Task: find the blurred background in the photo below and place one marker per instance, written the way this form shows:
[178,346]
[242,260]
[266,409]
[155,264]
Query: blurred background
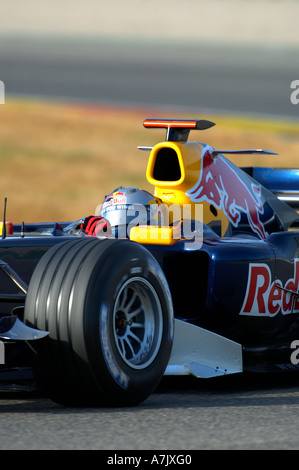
[81,76]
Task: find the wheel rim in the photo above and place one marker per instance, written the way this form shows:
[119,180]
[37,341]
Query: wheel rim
[137,323]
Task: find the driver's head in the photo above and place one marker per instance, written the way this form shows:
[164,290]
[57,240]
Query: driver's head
[127,207]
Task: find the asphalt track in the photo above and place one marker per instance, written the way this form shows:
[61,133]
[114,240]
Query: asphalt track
[183,76]
[236,413]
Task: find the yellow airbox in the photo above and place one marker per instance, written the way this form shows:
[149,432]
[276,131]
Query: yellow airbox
[173,169]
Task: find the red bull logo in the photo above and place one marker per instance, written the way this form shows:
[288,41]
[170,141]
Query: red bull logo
[220,185]
[116,197]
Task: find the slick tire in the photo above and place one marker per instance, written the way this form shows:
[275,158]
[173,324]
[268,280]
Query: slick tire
[108,310]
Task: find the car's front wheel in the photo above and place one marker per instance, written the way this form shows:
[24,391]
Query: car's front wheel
[108,309]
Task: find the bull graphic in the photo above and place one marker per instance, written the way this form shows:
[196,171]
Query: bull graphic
[220,185]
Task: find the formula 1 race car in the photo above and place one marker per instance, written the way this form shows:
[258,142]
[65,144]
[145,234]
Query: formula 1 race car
[210,288]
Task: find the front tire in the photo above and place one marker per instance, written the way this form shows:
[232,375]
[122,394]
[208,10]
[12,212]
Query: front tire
[108,309]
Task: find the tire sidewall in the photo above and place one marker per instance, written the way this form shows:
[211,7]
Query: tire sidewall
[101,347]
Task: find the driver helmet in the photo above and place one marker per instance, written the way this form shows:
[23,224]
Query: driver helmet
[127,207]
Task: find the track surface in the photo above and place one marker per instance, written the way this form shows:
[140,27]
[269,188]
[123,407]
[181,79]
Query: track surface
[182,76]
[234,413]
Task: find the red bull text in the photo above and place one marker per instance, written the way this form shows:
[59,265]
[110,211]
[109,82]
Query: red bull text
[265,297]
